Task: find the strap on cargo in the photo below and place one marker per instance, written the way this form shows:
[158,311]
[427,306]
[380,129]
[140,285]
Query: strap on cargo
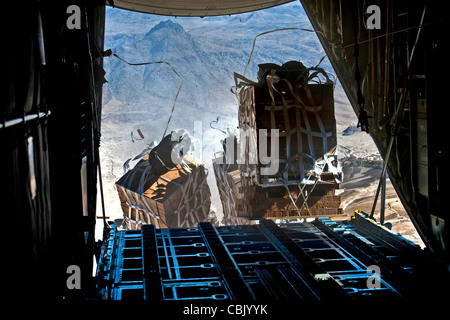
[191,189]
[301,110]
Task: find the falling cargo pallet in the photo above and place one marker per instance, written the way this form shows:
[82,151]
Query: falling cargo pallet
[308,174]
[178,198]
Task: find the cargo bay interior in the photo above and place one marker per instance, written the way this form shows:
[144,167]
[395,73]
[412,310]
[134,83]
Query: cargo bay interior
[50,134]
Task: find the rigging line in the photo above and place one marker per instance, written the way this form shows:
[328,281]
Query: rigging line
[216,121]
[135,138]
[320,61]
[391,33]
[397,111]
[158,62]
[267,32]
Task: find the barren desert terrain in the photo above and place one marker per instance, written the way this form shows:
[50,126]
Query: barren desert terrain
[360,184]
